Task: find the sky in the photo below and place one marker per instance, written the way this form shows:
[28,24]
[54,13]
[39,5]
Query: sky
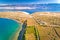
[28,1]
[30,7]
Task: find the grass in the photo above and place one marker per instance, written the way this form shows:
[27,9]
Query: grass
[30,29]
[44,31]
[31,33]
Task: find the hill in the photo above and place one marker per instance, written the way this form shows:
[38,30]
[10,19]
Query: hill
[49,25]
[18,16]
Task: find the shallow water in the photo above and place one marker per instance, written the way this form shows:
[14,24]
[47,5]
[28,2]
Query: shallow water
[7,28]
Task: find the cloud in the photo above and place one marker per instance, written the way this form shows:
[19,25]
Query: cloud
[12,7]
[4,4]
[58,1]
[25,8]
[6,8]
[18,8]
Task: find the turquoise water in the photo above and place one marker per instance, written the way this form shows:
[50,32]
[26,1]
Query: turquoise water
[7,28]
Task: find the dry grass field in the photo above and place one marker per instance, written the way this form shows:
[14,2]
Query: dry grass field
[49,25]
[40,25]
[18,16]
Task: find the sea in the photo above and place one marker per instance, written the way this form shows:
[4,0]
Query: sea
[8,28]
